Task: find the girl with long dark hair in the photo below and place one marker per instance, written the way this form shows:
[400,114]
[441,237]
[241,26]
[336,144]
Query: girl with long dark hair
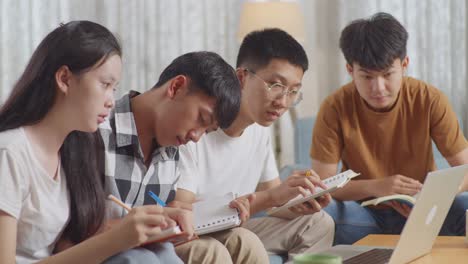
[51,179]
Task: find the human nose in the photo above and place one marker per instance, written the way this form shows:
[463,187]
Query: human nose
[110,101]
[196,134]
[378,85]
[282,98]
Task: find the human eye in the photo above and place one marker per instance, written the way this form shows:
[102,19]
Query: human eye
[293,92]
[201,121]
[277,86]
[105,84]
[388,74]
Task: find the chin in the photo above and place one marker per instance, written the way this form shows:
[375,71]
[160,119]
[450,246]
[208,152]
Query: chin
[382,106]
[265,123]
[91,129]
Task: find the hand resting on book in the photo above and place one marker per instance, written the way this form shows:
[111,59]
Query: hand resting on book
[400,202]
[242,204]
[396,184]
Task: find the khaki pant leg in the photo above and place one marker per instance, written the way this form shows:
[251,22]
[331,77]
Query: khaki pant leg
[308,233]
[243,246]
[205,250]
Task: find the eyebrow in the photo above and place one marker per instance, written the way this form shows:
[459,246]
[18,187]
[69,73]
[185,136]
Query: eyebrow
[369,71]
[206,110]
[112,79]
[364,70]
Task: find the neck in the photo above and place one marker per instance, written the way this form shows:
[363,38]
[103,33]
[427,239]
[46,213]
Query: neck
[142,108]
[242,121]
[50,133]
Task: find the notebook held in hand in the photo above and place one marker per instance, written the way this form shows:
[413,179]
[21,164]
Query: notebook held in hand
[214,214]
[332,184]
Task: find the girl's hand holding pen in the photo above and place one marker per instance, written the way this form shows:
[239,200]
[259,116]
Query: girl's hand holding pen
[140,223]
[184,218]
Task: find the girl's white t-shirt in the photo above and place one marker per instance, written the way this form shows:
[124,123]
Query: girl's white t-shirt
[38,202]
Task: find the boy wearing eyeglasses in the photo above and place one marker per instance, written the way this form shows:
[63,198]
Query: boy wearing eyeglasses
[240,159]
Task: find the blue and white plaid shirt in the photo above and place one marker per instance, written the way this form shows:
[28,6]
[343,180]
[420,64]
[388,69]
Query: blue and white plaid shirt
[127,176]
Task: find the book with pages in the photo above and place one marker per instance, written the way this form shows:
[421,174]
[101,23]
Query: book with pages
[332,184]
[214,214]
[401,198]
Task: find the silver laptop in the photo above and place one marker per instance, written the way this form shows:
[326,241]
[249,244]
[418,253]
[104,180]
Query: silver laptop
[421,228]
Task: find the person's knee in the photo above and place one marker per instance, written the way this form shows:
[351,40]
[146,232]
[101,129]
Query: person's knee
[204,250]
[319,223]
[165,252]
[135,255]
[215,248]
[245,246]
[327,223]
[244,237]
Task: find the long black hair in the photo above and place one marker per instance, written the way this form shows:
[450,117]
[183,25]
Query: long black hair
[79,45]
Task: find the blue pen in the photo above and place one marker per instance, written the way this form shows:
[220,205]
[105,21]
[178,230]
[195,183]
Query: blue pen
[157,199]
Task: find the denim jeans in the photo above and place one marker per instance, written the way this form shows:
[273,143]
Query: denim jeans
[353,222]
[159,253]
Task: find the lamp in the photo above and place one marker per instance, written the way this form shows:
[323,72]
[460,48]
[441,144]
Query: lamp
[284,15]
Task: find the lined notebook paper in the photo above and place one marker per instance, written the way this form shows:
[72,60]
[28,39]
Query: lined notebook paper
[214,214]
[332,184]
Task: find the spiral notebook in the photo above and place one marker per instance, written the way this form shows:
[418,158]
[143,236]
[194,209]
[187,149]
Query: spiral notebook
[214,214]
[332,184]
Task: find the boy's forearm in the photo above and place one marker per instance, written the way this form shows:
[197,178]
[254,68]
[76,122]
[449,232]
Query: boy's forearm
[263,200]
[354,190]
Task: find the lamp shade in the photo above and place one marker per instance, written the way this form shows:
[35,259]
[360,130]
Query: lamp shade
[284,15]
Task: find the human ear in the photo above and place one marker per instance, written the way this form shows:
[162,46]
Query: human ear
[241,75]
[176,85]
[405,63]
[349,69]
[62,78]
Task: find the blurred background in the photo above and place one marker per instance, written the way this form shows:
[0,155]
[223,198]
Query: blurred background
[154,32]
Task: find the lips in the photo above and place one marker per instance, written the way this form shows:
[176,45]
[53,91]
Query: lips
[379,97]
[180,141]
[273,115]
[102,118]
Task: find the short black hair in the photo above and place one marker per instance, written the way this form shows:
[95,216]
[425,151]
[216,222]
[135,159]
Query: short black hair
[374,43]
[259,47]
[212,75]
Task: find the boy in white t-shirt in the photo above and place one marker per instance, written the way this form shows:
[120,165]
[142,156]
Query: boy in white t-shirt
[239,159]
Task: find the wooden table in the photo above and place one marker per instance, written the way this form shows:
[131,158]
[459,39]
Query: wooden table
[447,249]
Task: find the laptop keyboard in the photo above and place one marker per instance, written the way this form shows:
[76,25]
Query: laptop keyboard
[374,256]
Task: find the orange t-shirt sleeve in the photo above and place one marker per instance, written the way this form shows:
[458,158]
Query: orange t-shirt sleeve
[327,139]
[445,130]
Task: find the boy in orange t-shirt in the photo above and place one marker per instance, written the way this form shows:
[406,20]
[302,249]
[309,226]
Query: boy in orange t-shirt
[382,125]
